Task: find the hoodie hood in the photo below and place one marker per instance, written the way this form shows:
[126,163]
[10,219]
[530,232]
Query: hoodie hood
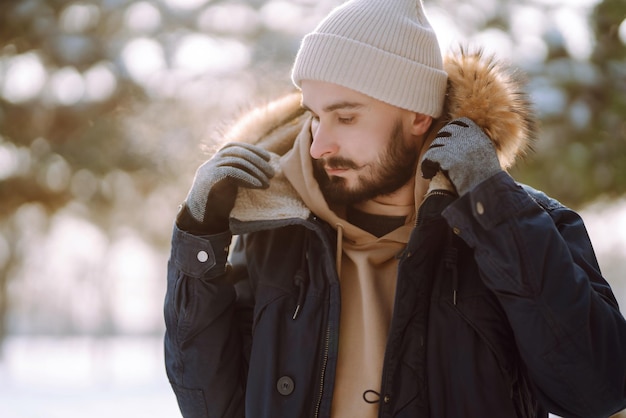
[479,87]
[297,167]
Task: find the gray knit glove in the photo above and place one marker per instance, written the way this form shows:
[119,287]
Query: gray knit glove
[463,153]
[214,189]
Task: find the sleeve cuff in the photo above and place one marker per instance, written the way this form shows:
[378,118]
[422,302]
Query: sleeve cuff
[200,256]
[490,203]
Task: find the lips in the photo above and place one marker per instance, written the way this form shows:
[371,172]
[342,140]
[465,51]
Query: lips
[335,170]
[335,166]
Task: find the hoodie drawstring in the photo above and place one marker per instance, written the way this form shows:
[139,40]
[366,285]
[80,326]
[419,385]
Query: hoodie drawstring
[300,279]
[366,396]
[450,256]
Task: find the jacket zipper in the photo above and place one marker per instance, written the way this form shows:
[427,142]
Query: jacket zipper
[326,346]
[324,363]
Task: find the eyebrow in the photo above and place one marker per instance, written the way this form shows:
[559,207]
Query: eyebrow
[337,106]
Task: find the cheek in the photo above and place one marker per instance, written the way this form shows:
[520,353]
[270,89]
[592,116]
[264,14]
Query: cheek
[374,144]
[359,144]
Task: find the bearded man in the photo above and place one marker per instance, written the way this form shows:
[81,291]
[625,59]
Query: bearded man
[385,263]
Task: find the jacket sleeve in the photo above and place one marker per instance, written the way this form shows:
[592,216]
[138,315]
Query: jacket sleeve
[203,343]
[539,262]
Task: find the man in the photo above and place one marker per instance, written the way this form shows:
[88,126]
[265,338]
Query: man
[385,263]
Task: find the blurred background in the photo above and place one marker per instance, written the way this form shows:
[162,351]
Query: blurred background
[107,107]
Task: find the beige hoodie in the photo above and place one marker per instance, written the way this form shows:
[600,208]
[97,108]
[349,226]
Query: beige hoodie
[367,275]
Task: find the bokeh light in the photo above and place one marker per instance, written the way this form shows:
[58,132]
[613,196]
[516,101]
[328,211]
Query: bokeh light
[24,78]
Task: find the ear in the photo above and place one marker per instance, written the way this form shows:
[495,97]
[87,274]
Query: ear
[419,123]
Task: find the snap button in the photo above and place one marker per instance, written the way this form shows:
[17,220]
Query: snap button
[285,385]
[203,256]
[456,231]
[480,209]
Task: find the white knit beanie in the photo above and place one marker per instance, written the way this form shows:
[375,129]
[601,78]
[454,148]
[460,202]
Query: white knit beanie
[385,49]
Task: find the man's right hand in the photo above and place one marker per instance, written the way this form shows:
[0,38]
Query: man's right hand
[214,189]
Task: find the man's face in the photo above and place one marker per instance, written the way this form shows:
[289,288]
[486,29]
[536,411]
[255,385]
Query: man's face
[361,147]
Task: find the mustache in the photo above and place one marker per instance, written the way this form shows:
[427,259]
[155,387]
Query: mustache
[337,163]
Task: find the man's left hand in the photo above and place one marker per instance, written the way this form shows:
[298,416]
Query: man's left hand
[463,153]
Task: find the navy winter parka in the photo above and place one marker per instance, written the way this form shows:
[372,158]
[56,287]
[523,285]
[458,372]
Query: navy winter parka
[500,310]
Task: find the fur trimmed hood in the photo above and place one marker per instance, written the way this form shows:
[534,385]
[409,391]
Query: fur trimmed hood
[492,95]
[479,87]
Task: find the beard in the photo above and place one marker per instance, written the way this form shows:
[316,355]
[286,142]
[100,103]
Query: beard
[393,169]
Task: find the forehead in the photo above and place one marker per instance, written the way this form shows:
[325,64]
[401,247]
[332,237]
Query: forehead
[323,96]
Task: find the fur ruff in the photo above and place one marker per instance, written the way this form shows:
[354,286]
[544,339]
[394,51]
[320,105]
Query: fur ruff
[485,91]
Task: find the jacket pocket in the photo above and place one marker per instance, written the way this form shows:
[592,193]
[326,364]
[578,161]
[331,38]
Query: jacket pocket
[184,305]
[266,296]
[193,304]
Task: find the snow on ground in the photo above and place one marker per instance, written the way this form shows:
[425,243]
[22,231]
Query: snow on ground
[44,377]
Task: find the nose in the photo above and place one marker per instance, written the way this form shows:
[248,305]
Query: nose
[324,144]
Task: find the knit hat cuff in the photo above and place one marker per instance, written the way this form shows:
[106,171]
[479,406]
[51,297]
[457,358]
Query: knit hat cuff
[379,74]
